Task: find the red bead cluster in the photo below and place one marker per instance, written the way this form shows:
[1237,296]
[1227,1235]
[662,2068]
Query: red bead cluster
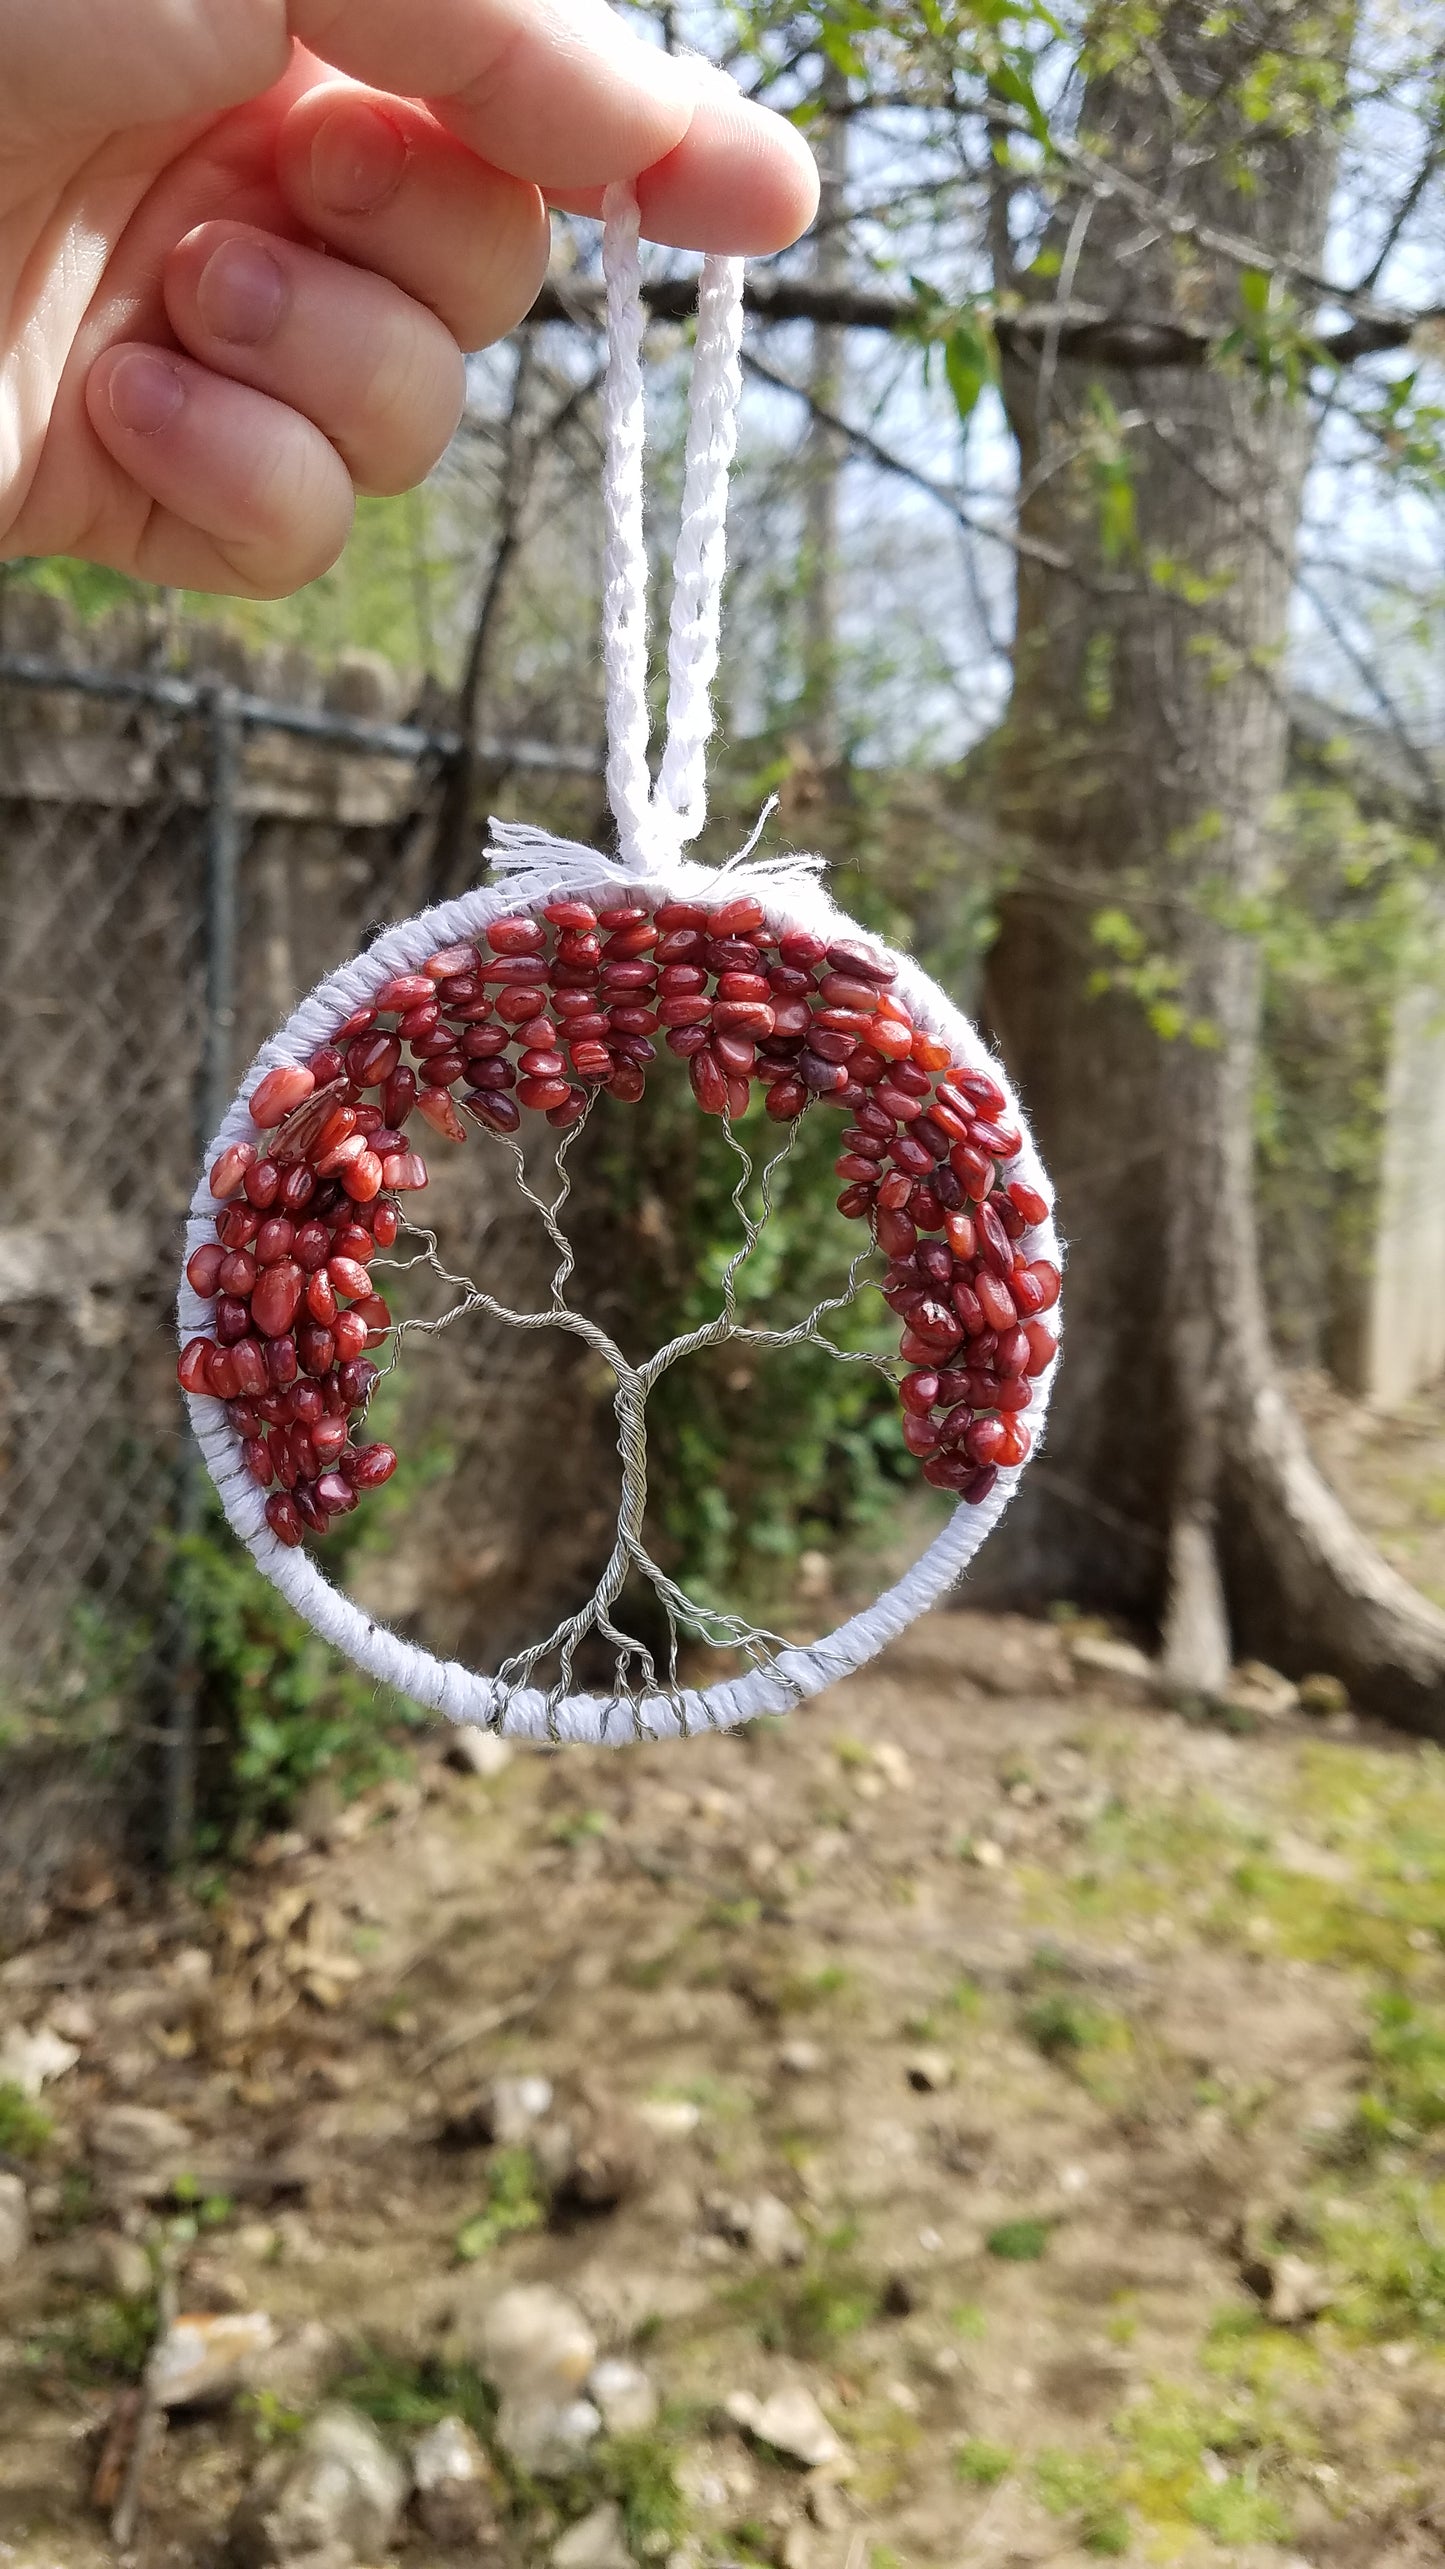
[539,1012]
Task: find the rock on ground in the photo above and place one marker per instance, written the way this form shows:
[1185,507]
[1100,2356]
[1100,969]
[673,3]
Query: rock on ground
[623,2394]
[204,2355]
[597,2541]
[791,2423]
[339,2491]
[454,2498]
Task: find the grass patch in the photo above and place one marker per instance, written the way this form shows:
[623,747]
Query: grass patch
[1019,2242]
[514,2204]
[981,2465]
[817,2307]
[25,2127]
[1084,2488]
[102,2340]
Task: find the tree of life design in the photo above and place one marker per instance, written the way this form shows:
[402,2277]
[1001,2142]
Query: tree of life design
[635,1671]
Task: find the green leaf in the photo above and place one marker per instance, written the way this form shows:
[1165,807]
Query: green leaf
[970,361]
[1254,292]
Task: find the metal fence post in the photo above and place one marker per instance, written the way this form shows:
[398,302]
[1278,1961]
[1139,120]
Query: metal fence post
[221,904]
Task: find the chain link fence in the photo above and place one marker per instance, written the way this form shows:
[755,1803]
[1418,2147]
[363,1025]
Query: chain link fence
[180,858]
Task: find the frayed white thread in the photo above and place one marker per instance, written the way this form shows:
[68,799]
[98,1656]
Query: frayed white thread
[535,867]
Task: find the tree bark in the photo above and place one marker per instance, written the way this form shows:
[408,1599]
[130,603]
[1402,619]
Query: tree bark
[1140,769]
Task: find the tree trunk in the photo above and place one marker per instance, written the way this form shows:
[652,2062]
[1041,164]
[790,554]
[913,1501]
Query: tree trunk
[1140,768]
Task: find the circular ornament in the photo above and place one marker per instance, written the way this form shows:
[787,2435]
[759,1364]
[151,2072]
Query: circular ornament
[523,1001]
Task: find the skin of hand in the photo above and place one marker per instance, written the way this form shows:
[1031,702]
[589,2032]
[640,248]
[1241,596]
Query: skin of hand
[243,244]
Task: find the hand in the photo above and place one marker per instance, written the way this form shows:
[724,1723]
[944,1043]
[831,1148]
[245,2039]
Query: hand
[244,242]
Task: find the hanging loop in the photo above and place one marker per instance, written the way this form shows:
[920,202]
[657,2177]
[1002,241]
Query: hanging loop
[653,826]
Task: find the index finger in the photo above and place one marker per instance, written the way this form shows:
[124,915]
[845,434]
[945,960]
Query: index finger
[556,91]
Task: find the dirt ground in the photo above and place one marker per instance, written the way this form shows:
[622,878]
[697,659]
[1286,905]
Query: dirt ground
[1091,2061]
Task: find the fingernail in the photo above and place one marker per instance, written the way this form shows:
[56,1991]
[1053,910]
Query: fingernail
[146,391]
[357,159]
[241,293]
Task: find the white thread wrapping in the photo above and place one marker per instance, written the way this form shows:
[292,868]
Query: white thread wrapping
[535,866]
[445,1686]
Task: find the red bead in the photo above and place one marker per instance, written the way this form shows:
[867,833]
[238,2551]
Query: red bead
[248,1364]
[541,1093]
[1043,1347]
[1028,1201]
[436,1109]
[860,961]
[297,1188]
[895,1192]
[626,1084]
[516,936]
[238,1274]
[995,1300]
[191,1371]
[385,1223]
[221,1380]
[371,1059]
[687,1010]
[232,1319]
[785,1099]
[638,938]
[896,1234]
[363,1179]
[279,1093]
[275,1239]
[709,1083]
[920,1435]
[325,1065]
[277,1297]
[449,960]
[281,1362]
[840,990]
[228,1172]
[256,1456]
[681,914]
[734,918]
[591,1060]
[367,1466]
[516,971]
[316,1347]
[891,1039]
[376,1314]
[320,1298]
[282,1518]
[919,1393]
[443,1070]
[561,1117]
[351,1335]
[349,1277]
[854,1202]
[335,1494]
[1048,1277]
[499,1113]
[994,1244]
[203,1268]
[1001,1141]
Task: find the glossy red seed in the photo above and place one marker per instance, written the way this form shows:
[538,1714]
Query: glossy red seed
[591,1060]
[275,1239]
[959,1233]
[221,1380]
[822,1077]
[896,1102]
[320,1297]
[860,1172]
[315,1347]
[995,1300]
[335,1494]
[925,1208]
[709,1083]
[497,1112]
[855,1201]
[934,1321]
[572,915]
[404,990]
[735,918]
[191,1371]
[351,1334]
[919,1393]
[895,1192]
[443,1071]
[418,1025]
[626,1084]
[232,1319]
[1028,1201]
[282,1518]
[785,1099]
[686,1011]
[238,1226]
[277,1297]
[541,1093]
[349,1278]
[562,1117]
[934,1261]
[801,950]
[1043,1347]
[255,1455]
[516,972]
[367,1466]
[516,1008]
[363,1179]
[312,1247]
[911,1156]
[984,1440]
[282,1362]
[298,1186]
[840,990]
[435,1108]
[203,1268]
[238,1274]
[920,1435]
[1048,1277]
[308,1405]
[371,1059]
[228,1172]
[994,1244]
[1013,1352]
[279,1093]
[627,943]
[896,1232]
[827,1043]
[449,960]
